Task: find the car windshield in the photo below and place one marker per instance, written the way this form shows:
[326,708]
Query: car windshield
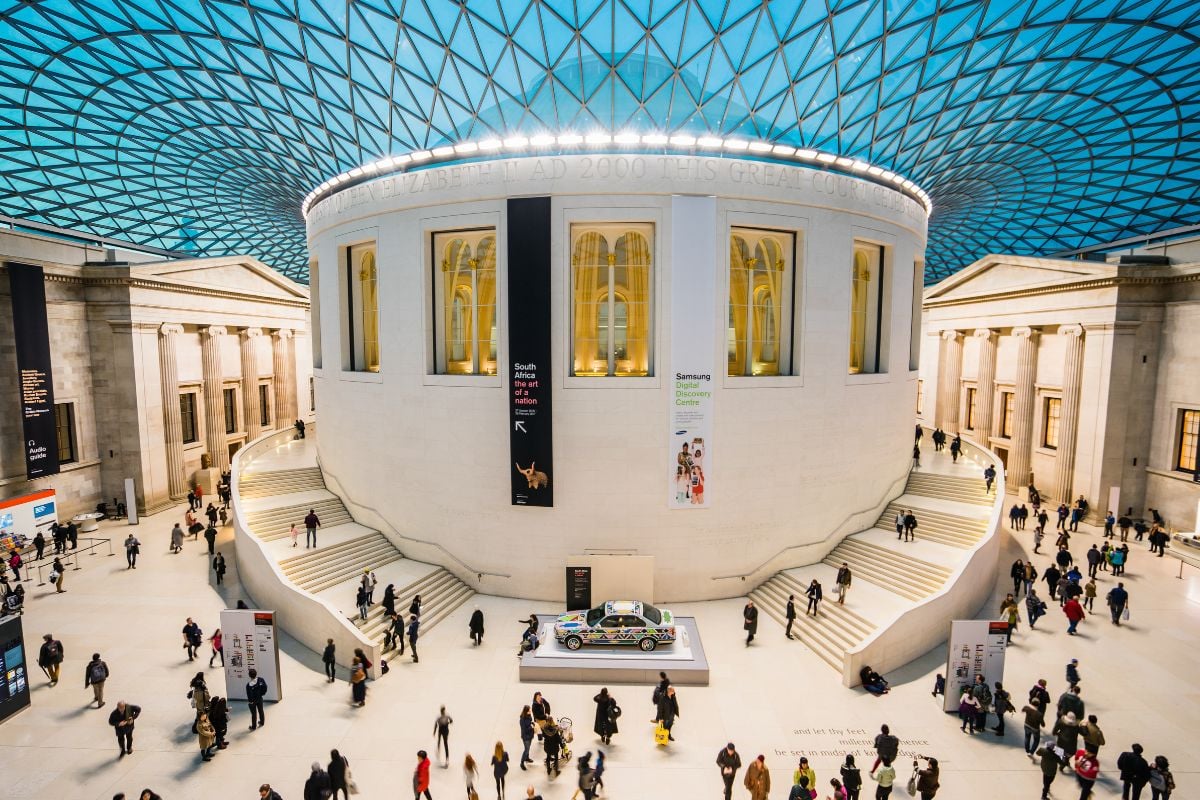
[595,615]
[652,614]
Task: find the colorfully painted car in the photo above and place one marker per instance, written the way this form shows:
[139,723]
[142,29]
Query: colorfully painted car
[617,622]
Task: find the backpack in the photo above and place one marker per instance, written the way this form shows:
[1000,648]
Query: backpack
[54,650]
[851,778]
[96,672]
[985,695]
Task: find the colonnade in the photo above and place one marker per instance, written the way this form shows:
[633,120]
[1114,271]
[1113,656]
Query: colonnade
[1022,433]
[283,390]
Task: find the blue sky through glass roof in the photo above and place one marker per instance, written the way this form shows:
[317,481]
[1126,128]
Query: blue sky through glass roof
[1036,127]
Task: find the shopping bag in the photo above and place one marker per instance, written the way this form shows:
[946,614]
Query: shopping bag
[1125,615]
[661,734]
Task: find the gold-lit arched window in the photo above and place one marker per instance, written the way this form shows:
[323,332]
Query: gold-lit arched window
[611,309]
[759,337]
[368,279]
[866,309]
[361,287]
[465,296]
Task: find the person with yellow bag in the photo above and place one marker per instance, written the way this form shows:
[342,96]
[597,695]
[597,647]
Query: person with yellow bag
[668,710]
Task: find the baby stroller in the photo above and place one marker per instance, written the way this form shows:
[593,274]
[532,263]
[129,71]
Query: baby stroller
[564,726]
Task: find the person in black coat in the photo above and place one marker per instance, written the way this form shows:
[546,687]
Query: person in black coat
[750,621]
[328,659]
[791,615]
[389,600]
[122,720]
[317,785]
[476,626]
[338,764]
[607,712]
[668,710]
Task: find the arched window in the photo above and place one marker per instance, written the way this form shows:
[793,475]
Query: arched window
[610,268]
[465,294]
[360,291]
[761,282]
[867,309]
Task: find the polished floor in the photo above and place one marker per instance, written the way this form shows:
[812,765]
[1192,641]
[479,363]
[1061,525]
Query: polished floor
[772,698]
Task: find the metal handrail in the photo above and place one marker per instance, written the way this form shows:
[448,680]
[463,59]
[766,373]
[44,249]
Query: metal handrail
[467,567]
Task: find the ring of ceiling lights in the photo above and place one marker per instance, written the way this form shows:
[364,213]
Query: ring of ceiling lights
[566,143]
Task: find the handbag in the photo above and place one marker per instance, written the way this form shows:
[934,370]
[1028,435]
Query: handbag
[351,786]
[912,784]
[661,735]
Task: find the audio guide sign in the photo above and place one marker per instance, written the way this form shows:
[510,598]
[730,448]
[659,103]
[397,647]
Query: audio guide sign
[34,377]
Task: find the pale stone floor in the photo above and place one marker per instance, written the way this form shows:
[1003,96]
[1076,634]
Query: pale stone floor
[773,698]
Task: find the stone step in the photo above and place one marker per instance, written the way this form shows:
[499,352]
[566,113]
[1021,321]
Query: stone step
[351,569]
[953,540]
[295,513]
[887,555]
[883,573]
[927,517]
[266,484]
[824,627]
[364,553]
[429,587]
[853,620]
[441,594]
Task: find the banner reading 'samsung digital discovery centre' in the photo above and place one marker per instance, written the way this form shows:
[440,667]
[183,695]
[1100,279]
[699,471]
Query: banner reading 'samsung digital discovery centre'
[693,286]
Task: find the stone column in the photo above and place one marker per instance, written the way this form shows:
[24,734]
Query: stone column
[949,381]
[172,423]
[985,391]
[214,404]
[250,404]
[284,382]
[1019,460]
[1068,418]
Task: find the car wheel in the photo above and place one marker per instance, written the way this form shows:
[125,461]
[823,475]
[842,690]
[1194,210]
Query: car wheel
[573,642]
[647,645]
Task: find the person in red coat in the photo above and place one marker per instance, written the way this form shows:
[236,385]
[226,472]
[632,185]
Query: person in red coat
[1074,613]
[421,776]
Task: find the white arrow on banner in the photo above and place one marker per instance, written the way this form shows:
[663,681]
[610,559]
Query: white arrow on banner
[519,426]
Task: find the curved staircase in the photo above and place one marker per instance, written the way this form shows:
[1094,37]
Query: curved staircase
[953,511]
[271,500]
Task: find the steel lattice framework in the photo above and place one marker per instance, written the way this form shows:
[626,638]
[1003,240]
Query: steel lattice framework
[1035,125]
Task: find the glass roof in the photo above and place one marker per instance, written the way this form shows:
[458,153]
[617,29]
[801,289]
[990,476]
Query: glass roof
[1036,126]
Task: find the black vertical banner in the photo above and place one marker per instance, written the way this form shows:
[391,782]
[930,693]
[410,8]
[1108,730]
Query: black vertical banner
[579,588]
[531,432]
[34,377]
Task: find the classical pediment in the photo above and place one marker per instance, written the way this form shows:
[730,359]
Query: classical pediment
[999,274]
[243,276]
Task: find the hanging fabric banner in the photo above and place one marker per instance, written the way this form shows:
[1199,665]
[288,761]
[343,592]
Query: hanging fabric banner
[34,376]
[691,380]
[530,423]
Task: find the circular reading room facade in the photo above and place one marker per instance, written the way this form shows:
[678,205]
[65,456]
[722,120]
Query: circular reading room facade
[705,363]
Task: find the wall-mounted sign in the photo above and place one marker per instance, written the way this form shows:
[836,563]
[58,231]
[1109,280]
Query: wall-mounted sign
[976,647]
[531,431]
[34,377]
[250,642]
[579,588]
[693,286]
[14,672]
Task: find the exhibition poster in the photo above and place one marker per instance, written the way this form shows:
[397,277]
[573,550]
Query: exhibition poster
[693,286]
[32,338]
[976,647]
[22,517]
[250,642]
[530,422]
